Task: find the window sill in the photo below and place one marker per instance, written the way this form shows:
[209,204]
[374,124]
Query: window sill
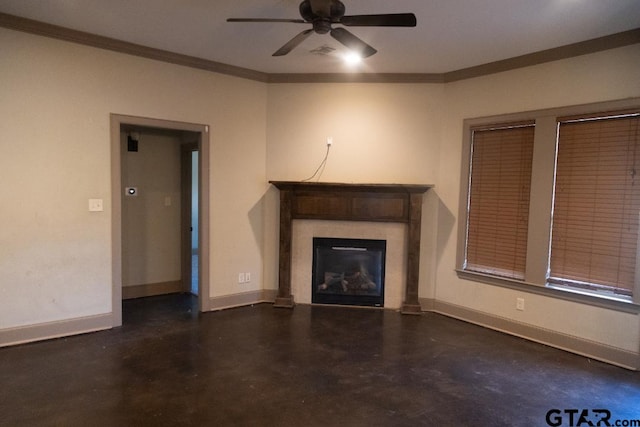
[582,297]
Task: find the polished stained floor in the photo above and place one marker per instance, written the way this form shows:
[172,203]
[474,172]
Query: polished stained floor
[311,366]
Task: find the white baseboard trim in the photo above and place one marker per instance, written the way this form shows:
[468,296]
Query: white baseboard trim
[591,349]
[151,289]
[242,299]
[49,330]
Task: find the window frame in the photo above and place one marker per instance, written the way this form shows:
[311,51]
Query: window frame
[541,196]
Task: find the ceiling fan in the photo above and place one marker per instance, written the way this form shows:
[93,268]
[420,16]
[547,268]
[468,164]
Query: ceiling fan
[323,13]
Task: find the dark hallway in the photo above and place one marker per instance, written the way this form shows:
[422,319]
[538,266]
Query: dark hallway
[311,366]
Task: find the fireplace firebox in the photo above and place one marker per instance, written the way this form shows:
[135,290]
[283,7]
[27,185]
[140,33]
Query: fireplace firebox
[348,271]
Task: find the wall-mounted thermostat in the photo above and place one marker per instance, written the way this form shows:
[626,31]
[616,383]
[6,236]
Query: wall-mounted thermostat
[131,191]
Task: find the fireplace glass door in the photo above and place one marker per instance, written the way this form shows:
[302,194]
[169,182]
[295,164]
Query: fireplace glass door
[348,271]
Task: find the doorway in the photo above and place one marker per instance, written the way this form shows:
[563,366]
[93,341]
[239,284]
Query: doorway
[195,245]
[189,161]
[194,199]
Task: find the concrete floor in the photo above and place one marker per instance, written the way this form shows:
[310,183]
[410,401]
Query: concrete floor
[311,366]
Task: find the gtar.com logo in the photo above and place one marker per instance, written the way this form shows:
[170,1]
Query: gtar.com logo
[586,417]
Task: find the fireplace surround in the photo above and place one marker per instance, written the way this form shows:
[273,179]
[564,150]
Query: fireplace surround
[400,203]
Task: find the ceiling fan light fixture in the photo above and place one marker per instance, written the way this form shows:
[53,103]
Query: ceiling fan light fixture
[352,58]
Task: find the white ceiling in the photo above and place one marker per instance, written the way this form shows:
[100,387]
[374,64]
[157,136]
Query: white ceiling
[450,35]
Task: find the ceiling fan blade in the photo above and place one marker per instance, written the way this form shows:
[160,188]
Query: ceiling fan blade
[352,42]
[291,44]
[385,20]
[295,21]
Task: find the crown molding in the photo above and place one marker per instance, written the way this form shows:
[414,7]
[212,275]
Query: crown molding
[31,26]
[356,78]
[61,33]
[599,44]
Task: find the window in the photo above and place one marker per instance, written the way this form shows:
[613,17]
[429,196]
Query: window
[550,203]
[498,205]
[597,204]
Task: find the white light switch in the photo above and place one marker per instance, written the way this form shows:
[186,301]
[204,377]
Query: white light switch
[95,205]
[167,201]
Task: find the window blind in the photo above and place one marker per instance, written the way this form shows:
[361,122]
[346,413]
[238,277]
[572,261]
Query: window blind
[596,204]
[498,205]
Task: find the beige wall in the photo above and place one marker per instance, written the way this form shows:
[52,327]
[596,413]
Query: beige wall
[382,133]
[151,223]
[592,78]
[55,256]
[413,134]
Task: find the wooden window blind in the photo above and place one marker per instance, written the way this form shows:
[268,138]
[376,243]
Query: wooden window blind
[597,204]
[498,204]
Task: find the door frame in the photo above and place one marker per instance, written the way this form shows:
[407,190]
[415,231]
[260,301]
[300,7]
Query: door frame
[117,121]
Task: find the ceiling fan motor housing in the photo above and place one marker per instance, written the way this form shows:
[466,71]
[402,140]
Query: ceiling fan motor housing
[322,24]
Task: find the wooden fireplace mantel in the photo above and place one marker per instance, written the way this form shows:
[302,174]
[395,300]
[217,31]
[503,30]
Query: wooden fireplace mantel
[351,202]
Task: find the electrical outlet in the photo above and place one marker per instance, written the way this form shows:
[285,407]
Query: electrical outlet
[520,304]
[95,205]
[247,277]
[241,278]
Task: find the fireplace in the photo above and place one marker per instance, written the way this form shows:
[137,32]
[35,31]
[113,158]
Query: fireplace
[395,203]
[348,271]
